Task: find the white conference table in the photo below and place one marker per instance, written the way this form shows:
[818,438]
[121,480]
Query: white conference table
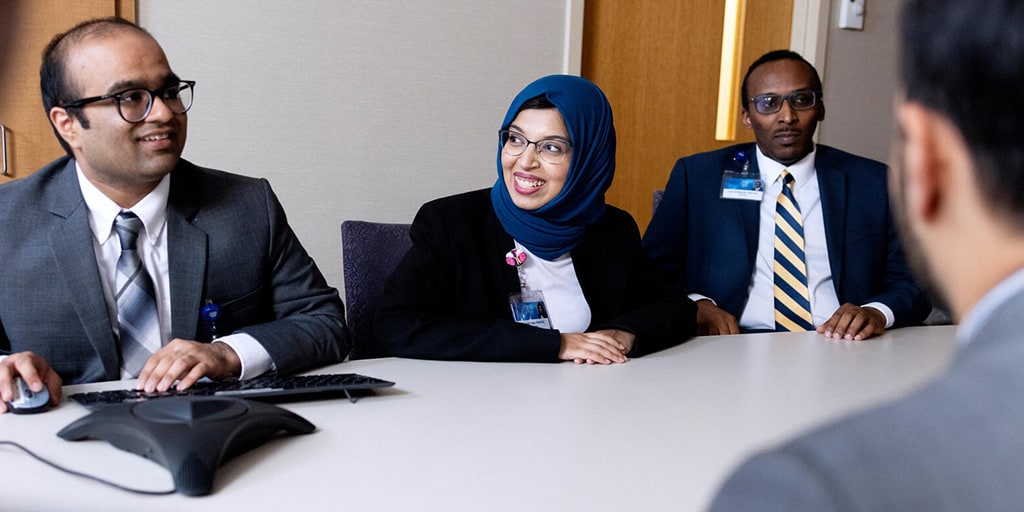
[660,432]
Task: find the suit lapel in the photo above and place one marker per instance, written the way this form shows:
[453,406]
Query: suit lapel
[749,212]
[832,186]
[79,269]
[501,243]
[186,253]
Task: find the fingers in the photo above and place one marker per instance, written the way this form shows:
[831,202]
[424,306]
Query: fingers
[54,385]
[625,339]
[851,322]
[591,348]
[185,362]
[34,370]
[713,320]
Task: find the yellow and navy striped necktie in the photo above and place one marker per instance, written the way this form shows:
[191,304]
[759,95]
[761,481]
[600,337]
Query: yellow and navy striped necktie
[792,302]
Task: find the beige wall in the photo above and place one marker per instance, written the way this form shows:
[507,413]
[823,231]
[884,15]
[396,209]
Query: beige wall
[362,109]
[860,78]
[356,109]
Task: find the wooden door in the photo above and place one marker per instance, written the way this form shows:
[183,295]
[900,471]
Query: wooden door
[28,26]
[658,62]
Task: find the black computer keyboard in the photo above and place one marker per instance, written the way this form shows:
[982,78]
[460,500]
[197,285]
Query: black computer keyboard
[271,389]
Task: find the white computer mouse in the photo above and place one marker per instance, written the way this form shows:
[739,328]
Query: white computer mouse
[27,401]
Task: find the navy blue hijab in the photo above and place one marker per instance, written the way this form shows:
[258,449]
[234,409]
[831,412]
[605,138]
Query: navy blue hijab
[557,227]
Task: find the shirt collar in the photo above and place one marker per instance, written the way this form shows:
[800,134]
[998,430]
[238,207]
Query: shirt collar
[802,170]
[151,209]
[974,319]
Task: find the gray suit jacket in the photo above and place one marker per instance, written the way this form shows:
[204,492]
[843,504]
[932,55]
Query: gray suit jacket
[228,242]
[956,445]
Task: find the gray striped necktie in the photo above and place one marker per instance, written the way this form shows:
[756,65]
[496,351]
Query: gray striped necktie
[137,318]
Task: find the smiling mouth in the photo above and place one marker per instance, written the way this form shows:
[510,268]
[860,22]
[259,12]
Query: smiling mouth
[156,137]
[526,183]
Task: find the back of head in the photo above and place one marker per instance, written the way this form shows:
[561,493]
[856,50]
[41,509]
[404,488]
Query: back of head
[965,60]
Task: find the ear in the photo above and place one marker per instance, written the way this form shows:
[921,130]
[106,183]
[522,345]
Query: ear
[925,159]
[821,113]
[745,118]
[67,126]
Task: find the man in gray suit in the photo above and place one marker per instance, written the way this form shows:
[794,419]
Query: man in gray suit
[958,187]
[122,260]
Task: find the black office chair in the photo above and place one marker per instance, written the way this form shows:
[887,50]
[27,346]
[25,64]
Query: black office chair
[371,251]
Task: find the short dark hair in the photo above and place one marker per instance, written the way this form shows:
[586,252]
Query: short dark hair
[54,83]
[772,56]
[964,60]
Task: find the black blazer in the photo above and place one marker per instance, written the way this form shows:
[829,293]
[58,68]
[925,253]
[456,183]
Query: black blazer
[448,298]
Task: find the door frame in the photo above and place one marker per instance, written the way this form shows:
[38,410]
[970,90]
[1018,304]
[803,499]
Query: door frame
[808,35]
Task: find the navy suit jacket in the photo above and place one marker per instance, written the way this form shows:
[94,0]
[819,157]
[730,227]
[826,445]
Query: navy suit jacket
[228,242]
[709,243]
[448,298]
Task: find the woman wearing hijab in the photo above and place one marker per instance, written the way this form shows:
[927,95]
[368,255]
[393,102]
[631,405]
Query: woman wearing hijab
[537,268]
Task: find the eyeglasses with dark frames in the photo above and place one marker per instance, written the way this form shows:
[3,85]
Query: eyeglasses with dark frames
[135,104]
[551,150]
[772,103]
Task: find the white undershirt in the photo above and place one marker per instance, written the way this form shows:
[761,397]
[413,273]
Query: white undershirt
[152,249]
[567,307]
[759,312]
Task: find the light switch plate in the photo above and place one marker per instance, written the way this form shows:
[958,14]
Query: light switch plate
[851,14]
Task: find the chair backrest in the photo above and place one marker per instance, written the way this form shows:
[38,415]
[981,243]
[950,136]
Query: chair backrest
[370,251]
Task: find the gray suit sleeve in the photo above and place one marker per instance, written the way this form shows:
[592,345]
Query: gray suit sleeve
[308,326]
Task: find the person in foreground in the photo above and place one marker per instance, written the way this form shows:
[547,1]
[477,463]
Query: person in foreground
[123,260]
[958,169]
[785,235]
[537,268]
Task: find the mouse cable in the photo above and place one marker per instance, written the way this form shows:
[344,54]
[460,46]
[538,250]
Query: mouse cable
[84,475]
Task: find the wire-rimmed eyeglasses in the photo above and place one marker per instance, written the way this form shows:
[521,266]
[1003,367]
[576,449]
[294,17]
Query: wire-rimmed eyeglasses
[134,104]
[772,103]
[552,150]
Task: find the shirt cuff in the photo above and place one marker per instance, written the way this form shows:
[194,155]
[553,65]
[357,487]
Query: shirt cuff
[255,359]
[696,296]
[890,318]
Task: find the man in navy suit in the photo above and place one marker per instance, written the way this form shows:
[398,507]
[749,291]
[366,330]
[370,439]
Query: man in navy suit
[958,179]
[208,240]
[715,227]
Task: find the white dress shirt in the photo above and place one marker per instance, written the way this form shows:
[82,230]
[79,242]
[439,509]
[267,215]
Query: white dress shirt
[152,249]
[567,307]
[759,312]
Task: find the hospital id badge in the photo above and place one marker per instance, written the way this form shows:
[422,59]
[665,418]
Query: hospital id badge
[742,185]
[528,308]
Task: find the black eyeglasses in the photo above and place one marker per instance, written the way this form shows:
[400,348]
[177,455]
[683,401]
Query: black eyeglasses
[134,104]
[772,103]
[551,150]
